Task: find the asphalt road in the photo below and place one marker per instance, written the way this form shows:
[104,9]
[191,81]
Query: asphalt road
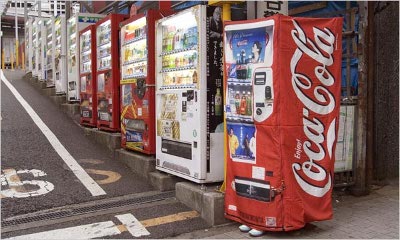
[39,179]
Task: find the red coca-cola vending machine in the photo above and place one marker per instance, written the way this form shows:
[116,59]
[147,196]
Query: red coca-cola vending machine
[282,89]
[138,81]
[108,72]
[87,74]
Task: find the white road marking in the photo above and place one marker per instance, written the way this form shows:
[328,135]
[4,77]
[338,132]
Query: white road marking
[94,230]
[133,225]
[7,179]
[79,172]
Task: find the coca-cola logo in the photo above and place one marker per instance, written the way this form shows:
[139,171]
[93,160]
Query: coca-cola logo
[316,97]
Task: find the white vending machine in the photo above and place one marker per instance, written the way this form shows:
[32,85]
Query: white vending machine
[35,57]
[60,52]
[49,60]
[28,44]
[42,48]
[189,114]
[39,45]
[74,24]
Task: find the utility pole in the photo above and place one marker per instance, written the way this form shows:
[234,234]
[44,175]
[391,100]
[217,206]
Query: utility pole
[16,35]
[360,187]
[1,53]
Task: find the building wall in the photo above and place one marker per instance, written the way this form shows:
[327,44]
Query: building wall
[386,90]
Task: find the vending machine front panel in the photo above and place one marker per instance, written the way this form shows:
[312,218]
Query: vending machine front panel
[189,95]
[88,83]
[108,72]
[137,83]
[60,35]
[75,24]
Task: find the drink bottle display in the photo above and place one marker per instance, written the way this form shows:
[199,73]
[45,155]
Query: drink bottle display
[108,72]
[49,65]
[74,24]
[137,81]
[188,95]
[60,75]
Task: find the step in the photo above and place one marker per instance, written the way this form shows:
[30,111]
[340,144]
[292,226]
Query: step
[59,99]
[163,181]
[107,139]
[49,91]
[204,198]
[139,163]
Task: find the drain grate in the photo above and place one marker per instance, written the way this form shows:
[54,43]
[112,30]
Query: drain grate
[79,210]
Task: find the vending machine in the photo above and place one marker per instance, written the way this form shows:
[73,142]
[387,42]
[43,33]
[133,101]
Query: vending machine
[74,25]
[108,72]
[87,74]
[60,52]
[50,63]
[138,82]
[35,57]
[189,94]
[39,44]
[42,48]
[282,92]
[28,44]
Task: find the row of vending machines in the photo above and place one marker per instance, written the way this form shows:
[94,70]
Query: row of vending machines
[180,85]
[157,77]
[148,76]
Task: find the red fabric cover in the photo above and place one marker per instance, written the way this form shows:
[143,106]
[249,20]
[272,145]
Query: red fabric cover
[300,133]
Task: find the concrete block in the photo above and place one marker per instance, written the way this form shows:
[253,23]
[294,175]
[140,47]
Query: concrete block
[213,211]
[49,91]
[27,76]
[163,181]
[71,108]
[59,99]
[190,194]
[110,140]
[33,80]
[204,199]
[140,164]
[42,84]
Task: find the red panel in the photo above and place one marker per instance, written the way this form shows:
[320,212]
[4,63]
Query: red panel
[295,146]
[108,100]
[89,97]
[142,109]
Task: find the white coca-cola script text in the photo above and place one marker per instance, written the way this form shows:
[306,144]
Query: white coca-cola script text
[312,177]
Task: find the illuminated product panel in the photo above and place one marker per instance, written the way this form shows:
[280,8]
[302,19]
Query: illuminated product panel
[28,45]
[74,24]
[138,82]
[108,72]
[88,83]
[60,51]
[189,97]
[49,64]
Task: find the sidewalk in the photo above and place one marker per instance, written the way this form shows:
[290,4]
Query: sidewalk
[367,217]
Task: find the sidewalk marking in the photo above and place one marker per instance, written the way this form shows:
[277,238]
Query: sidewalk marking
[170,218]
[94,230]
[109,228]
[133,226]
[111,175]
[17,189]
[79,172]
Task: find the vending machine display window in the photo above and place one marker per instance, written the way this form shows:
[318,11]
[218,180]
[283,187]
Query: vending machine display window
[60,52]
[189,95]
[75,24]
[108,72]
[138,81]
